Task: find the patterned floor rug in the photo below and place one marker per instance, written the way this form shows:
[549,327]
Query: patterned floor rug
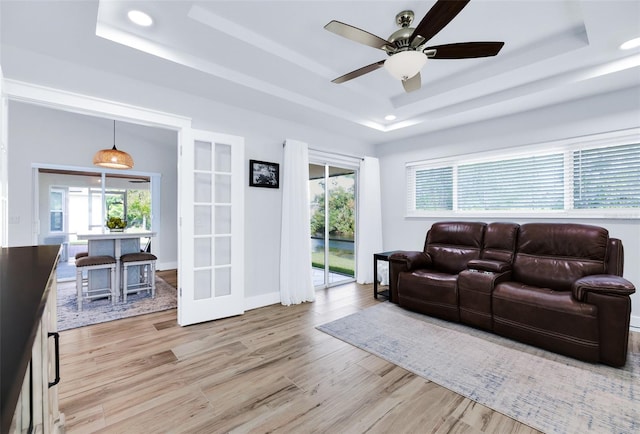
[546,391]
[101,310]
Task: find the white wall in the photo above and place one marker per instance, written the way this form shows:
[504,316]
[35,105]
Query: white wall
[39,135]
[615,111]
[263,135]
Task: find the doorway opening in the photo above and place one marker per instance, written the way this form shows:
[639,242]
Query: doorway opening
[332,192]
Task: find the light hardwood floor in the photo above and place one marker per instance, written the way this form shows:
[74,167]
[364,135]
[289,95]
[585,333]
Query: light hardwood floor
[268,370]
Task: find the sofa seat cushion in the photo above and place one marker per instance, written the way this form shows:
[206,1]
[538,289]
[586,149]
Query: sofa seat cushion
[430,292]
[550,319]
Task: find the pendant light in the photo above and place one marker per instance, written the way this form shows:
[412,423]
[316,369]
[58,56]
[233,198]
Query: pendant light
[113,158]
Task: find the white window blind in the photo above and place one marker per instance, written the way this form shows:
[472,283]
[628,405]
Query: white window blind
[432,188]
[518,184]
[591,176]
[607,177]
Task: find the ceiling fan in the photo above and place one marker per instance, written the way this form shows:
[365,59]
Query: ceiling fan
[407,47]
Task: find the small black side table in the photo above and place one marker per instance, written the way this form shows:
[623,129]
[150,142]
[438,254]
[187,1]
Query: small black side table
[383,256]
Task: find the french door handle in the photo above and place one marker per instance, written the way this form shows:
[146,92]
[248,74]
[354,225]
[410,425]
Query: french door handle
[56,338]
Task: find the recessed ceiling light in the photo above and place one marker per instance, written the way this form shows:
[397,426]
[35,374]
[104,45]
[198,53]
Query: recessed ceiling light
[390,118]
[140,18]
[632,43]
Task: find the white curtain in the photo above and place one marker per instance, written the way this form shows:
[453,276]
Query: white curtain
[296,281]
[369,218]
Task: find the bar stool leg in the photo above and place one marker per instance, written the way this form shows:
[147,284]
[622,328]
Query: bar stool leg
[114,286]
[152,266]
[79,287]
[125,285]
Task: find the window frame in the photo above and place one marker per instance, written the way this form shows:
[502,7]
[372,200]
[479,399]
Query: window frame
[62,211]
[565,146]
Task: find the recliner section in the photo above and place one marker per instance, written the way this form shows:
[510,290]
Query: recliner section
[555,286]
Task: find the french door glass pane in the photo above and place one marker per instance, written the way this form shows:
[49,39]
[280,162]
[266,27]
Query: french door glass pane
[202,252]
[223,281]
[223,220]
[202,188]
[223,158]
[202,219]
[223,251]
[223,189]
[202,284]
[202,156]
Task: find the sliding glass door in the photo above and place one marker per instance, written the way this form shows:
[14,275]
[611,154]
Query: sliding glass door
[333,223]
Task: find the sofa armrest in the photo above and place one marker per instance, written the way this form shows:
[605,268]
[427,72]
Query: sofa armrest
[404,261]
[610,295]
[488,265]
[604,284]
[411,260]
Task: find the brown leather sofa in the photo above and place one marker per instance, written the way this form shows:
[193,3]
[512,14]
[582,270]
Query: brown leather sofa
[555,286]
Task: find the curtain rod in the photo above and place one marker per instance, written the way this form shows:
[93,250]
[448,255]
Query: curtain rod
[331,152]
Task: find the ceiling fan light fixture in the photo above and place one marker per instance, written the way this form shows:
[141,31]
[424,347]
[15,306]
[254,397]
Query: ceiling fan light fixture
[405,64]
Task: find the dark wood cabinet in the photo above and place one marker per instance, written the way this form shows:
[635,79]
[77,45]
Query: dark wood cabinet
[29,344]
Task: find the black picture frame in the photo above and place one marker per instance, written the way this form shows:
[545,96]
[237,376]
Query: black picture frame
[264,174]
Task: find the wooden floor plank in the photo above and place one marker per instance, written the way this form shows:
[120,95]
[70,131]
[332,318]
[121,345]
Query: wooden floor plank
[268,370]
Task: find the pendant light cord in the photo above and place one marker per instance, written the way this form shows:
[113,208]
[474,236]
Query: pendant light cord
[114,134]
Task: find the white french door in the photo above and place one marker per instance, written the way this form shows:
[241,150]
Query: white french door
[211,203]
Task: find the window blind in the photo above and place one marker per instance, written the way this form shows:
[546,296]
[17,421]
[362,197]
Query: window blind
[584,177]
[530,183]
[607,177]
[432,188]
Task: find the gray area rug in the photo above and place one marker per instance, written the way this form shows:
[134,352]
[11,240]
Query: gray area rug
[101,310]
[549,392]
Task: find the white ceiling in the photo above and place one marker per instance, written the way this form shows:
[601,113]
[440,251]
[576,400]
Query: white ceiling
[275,56]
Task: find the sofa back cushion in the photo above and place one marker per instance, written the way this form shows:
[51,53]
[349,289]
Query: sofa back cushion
[550,255]
[500,241]
[452,244]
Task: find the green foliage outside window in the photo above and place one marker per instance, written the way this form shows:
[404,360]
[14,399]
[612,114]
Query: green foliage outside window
[139,209]
[341,213]
[137,204]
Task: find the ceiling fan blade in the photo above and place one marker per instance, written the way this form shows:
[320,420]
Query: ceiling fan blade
[466,50]
[356,34]
[358,72]
[436,19]
[412,83]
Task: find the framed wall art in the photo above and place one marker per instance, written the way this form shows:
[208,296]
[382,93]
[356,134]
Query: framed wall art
[264,174]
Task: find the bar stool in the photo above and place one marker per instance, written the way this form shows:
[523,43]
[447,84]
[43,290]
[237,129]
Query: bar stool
[146,280]
[81,255]
[89,263]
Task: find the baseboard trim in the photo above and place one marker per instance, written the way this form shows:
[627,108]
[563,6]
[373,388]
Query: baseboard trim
[635,323]
[261,300]
[161,266]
